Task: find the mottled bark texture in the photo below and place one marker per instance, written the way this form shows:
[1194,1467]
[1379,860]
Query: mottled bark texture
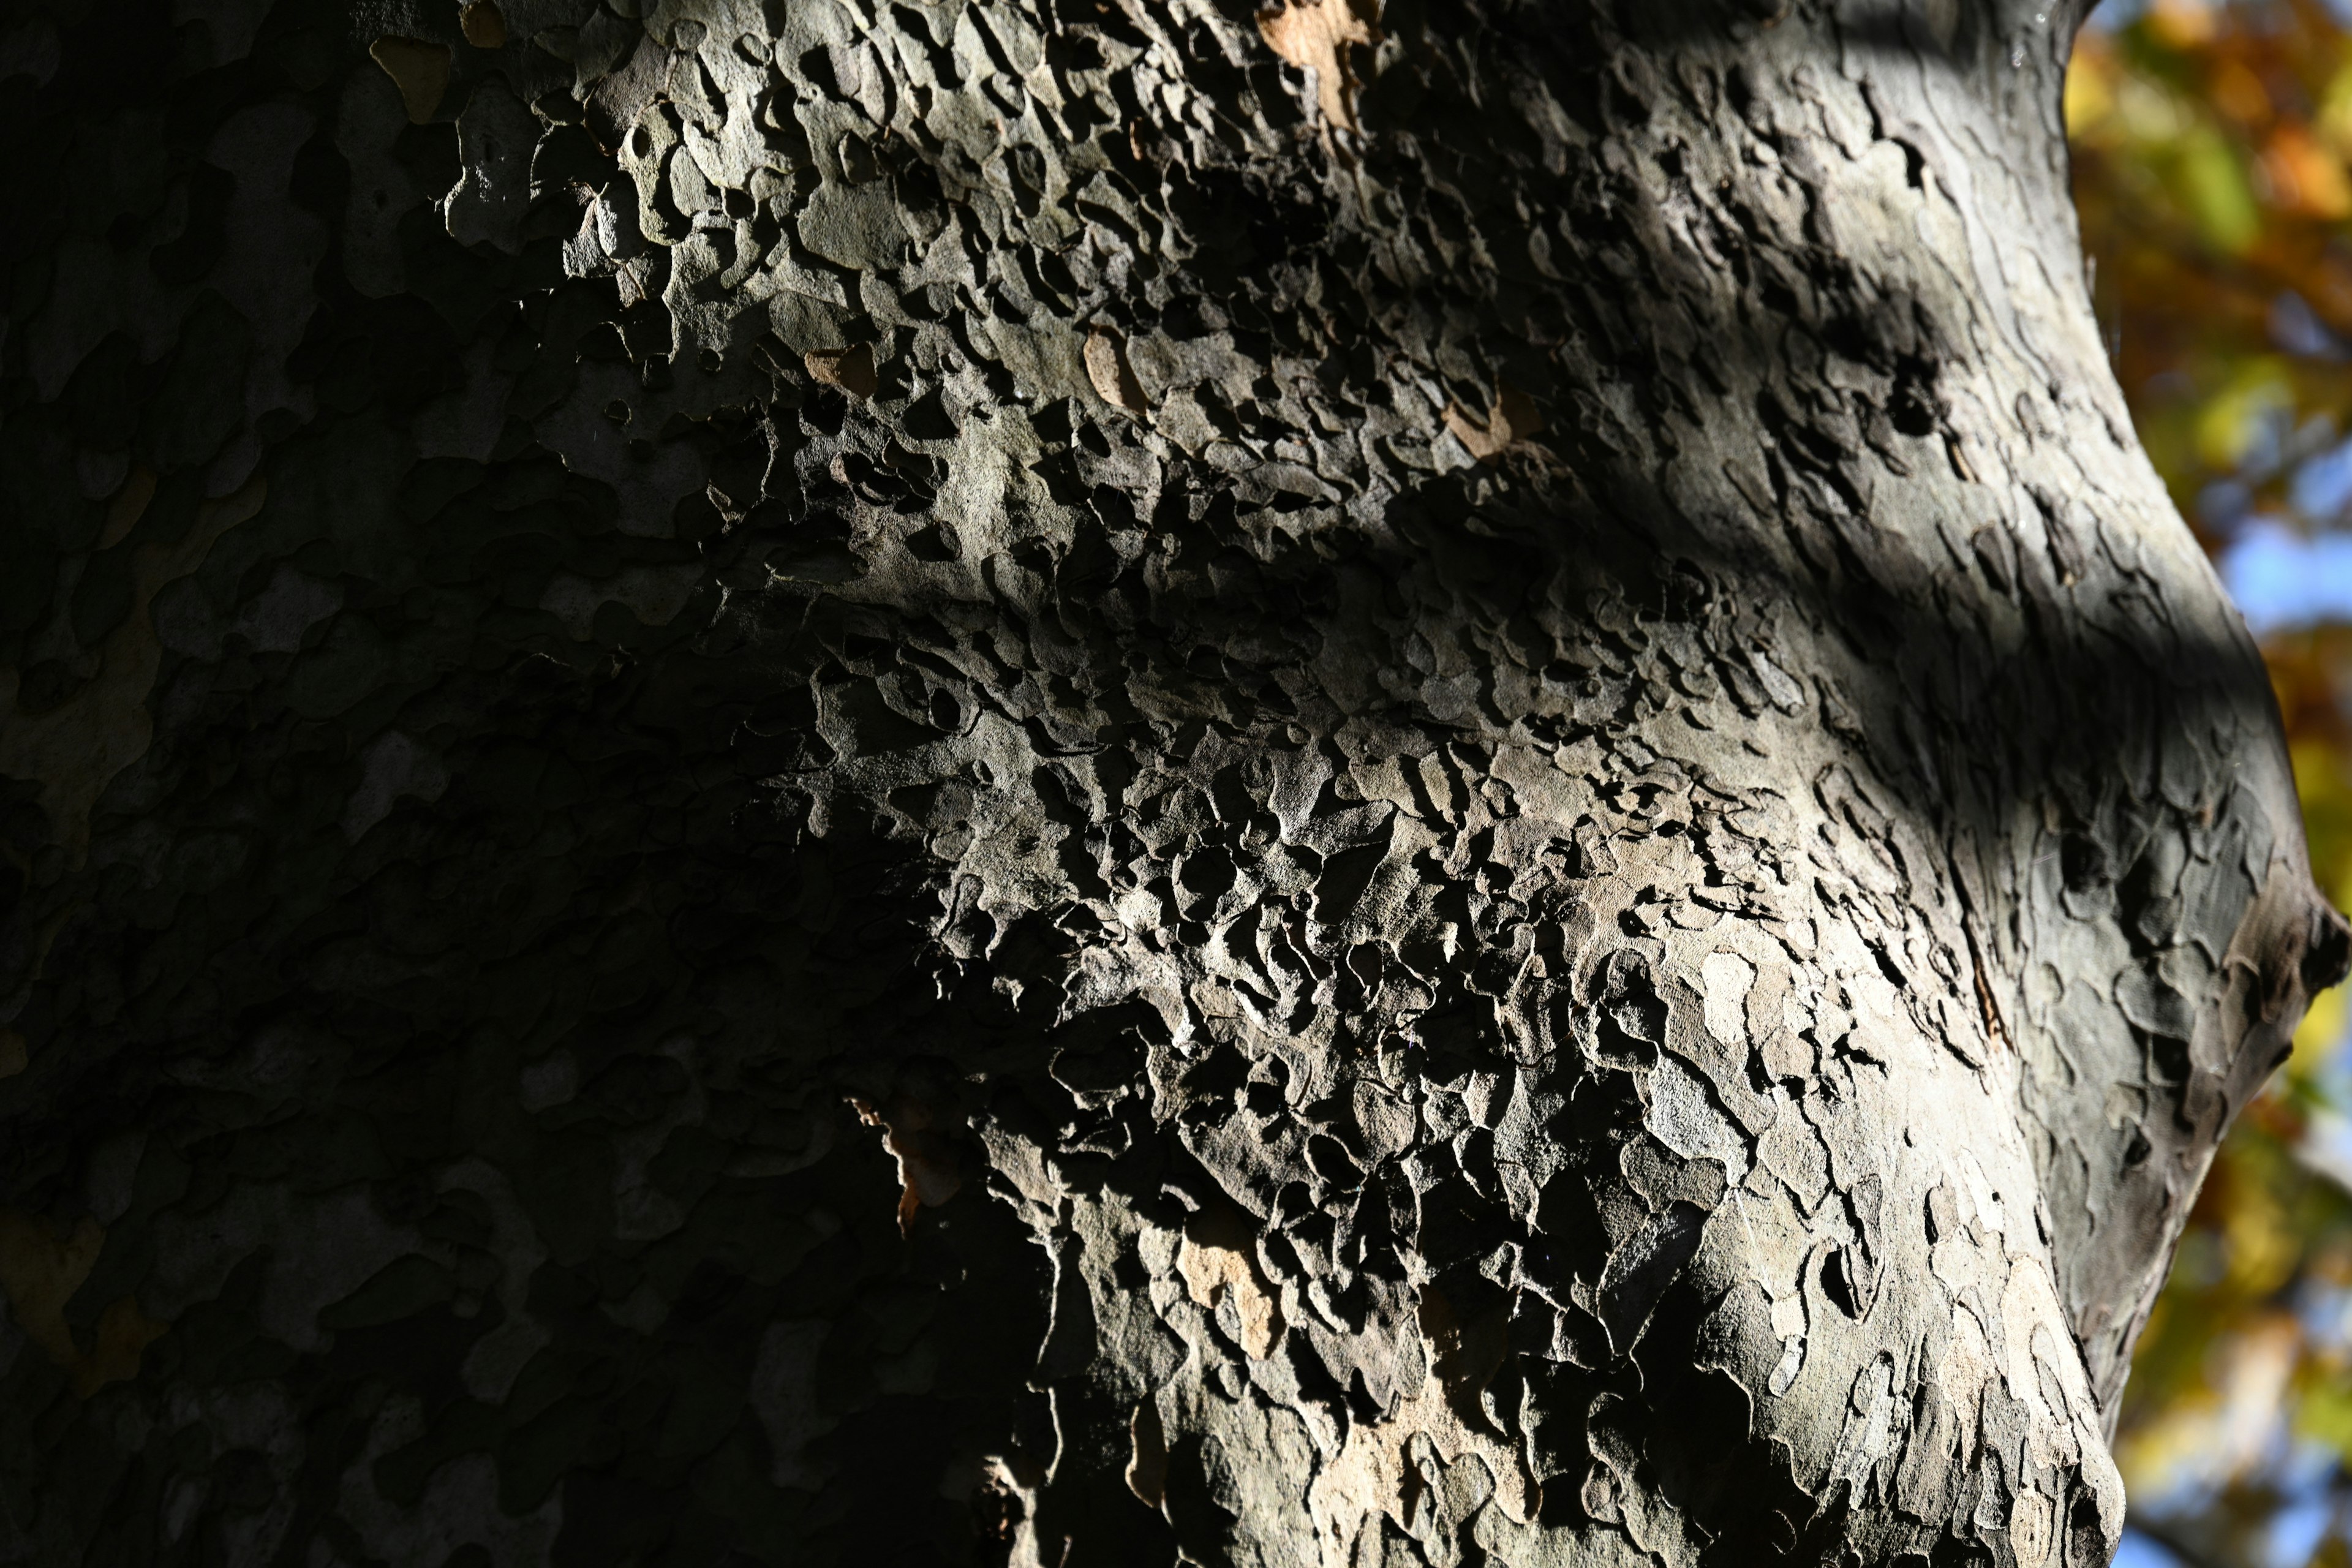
[1091,780]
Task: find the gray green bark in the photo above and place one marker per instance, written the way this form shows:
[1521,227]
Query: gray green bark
[1070,782]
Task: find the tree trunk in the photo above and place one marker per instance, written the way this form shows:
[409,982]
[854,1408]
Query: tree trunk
[1093,782]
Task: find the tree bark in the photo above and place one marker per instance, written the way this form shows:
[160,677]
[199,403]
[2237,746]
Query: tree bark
[1075,780]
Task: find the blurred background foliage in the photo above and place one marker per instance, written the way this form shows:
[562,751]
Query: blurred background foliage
[2212,146]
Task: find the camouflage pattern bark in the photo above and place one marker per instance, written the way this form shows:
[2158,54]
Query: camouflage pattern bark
[1092,780]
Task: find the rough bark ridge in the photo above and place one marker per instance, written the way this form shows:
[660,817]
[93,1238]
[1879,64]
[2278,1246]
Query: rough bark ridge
[1081,779]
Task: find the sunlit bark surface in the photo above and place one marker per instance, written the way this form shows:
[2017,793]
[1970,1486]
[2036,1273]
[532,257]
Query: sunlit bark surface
[1089,782]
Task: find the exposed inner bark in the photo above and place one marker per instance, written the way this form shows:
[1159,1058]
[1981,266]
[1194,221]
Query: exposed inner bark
[1072,780]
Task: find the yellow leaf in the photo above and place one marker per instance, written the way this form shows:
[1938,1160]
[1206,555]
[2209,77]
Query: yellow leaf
[2183,23]
[2213,184]
[2090,89]
[2229,422]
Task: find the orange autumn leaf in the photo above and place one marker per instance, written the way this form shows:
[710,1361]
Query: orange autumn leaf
[2305,177]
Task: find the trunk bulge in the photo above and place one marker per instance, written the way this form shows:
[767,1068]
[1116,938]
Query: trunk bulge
[1078,781]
